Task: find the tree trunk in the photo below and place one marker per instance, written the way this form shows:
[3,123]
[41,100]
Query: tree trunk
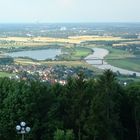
[79,133]
[138,130]
[137,125]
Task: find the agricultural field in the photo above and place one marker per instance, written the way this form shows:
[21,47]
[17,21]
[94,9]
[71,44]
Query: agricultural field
[25,41]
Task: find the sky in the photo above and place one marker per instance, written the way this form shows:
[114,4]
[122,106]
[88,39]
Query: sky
[59,11]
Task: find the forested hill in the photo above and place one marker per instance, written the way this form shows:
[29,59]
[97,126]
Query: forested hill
[82,109]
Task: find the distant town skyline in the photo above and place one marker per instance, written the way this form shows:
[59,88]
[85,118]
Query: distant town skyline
[59,11]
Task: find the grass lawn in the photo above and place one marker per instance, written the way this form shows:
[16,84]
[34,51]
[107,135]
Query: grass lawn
[75,53]
[129,64]
[116,53]
[5,74]
[125,59]
[82,52]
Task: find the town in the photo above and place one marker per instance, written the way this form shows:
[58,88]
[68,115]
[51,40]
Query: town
[44,73]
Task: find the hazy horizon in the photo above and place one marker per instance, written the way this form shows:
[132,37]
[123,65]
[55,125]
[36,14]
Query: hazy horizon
[74,22]
[69,11]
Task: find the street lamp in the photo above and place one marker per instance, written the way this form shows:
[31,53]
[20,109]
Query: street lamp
[22,129]
[125,83]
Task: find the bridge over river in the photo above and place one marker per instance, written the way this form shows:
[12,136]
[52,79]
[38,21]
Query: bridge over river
[98,60]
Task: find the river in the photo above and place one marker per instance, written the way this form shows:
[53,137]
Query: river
[100,53]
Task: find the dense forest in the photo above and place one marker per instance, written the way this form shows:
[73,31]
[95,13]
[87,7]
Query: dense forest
[94,109]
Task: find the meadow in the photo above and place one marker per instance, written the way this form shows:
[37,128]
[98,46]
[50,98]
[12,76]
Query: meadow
[5,74]
[123,59]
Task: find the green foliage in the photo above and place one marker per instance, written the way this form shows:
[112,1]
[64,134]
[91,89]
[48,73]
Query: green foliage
[69,135]
[103,121]
[133,93]
[6,60]
[61,135]
[82,109]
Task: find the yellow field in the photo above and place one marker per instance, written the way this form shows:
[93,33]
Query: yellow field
[73,40]
[95,38]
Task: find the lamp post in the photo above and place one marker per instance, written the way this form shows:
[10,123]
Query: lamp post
[125,83]
[22,129]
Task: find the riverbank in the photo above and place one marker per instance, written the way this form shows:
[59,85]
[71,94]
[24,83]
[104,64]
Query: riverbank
[100,53]
[125,59]
[37,54]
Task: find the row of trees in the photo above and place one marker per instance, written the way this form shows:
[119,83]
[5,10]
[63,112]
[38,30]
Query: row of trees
[82,109]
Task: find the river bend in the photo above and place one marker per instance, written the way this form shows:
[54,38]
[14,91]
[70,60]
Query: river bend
[100,53]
